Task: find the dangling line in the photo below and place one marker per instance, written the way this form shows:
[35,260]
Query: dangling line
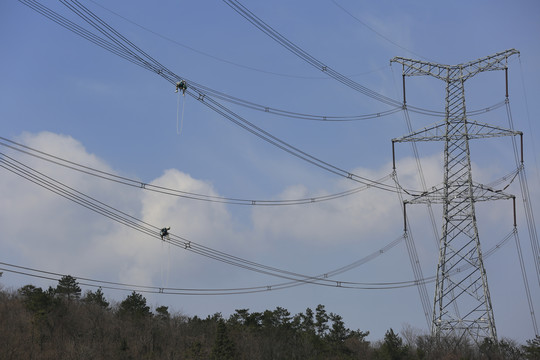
[168,263]
[178,131]
[165,272]
[162,284]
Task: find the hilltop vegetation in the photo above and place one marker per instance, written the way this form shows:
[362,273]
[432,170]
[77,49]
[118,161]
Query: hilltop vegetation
[60,323]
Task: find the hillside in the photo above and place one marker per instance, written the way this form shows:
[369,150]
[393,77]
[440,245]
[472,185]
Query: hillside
[61,323]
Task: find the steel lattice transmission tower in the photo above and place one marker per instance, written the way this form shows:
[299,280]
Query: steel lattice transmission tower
[462,304]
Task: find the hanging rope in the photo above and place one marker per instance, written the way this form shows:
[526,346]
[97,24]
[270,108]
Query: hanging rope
[165,267]
[181,85]
[179,128]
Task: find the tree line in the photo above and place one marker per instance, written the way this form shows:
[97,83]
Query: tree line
[62,323]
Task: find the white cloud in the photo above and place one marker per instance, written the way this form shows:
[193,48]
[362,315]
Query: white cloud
[41,226]
[49,232]
[185,216]
[369,213]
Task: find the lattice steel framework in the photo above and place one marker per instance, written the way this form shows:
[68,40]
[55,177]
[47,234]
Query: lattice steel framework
[462,304]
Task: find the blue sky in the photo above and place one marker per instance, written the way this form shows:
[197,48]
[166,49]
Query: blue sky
[66,96]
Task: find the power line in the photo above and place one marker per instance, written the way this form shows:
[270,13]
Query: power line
[264,135]
[125,219]
[130,51]
[375,31]
[525,282]
[173,41]
[114,214]
[298,51]
[117,48]
[525,98]
[524,186]
[123,47]
[154,66]
[28,271]
[413,255]
[315,280]
[144,60]
[171,191]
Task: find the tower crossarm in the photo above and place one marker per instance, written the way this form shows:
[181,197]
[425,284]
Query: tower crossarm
[438,132]
[412,67]
[480,193]
[496,61]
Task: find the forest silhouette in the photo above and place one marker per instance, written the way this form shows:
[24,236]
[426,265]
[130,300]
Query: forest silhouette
[62,323]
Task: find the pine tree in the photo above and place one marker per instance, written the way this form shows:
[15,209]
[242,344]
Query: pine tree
[36,300]
[532,349]
[224,348]
[321,320]
[338,332]
[96,298]
[134,306]
[392,347]
[68,287]
[163,312]
[308,325]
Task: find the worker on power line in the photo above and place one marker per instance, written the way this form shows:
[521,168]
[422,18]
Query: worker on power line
[164,233]
[181,85]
